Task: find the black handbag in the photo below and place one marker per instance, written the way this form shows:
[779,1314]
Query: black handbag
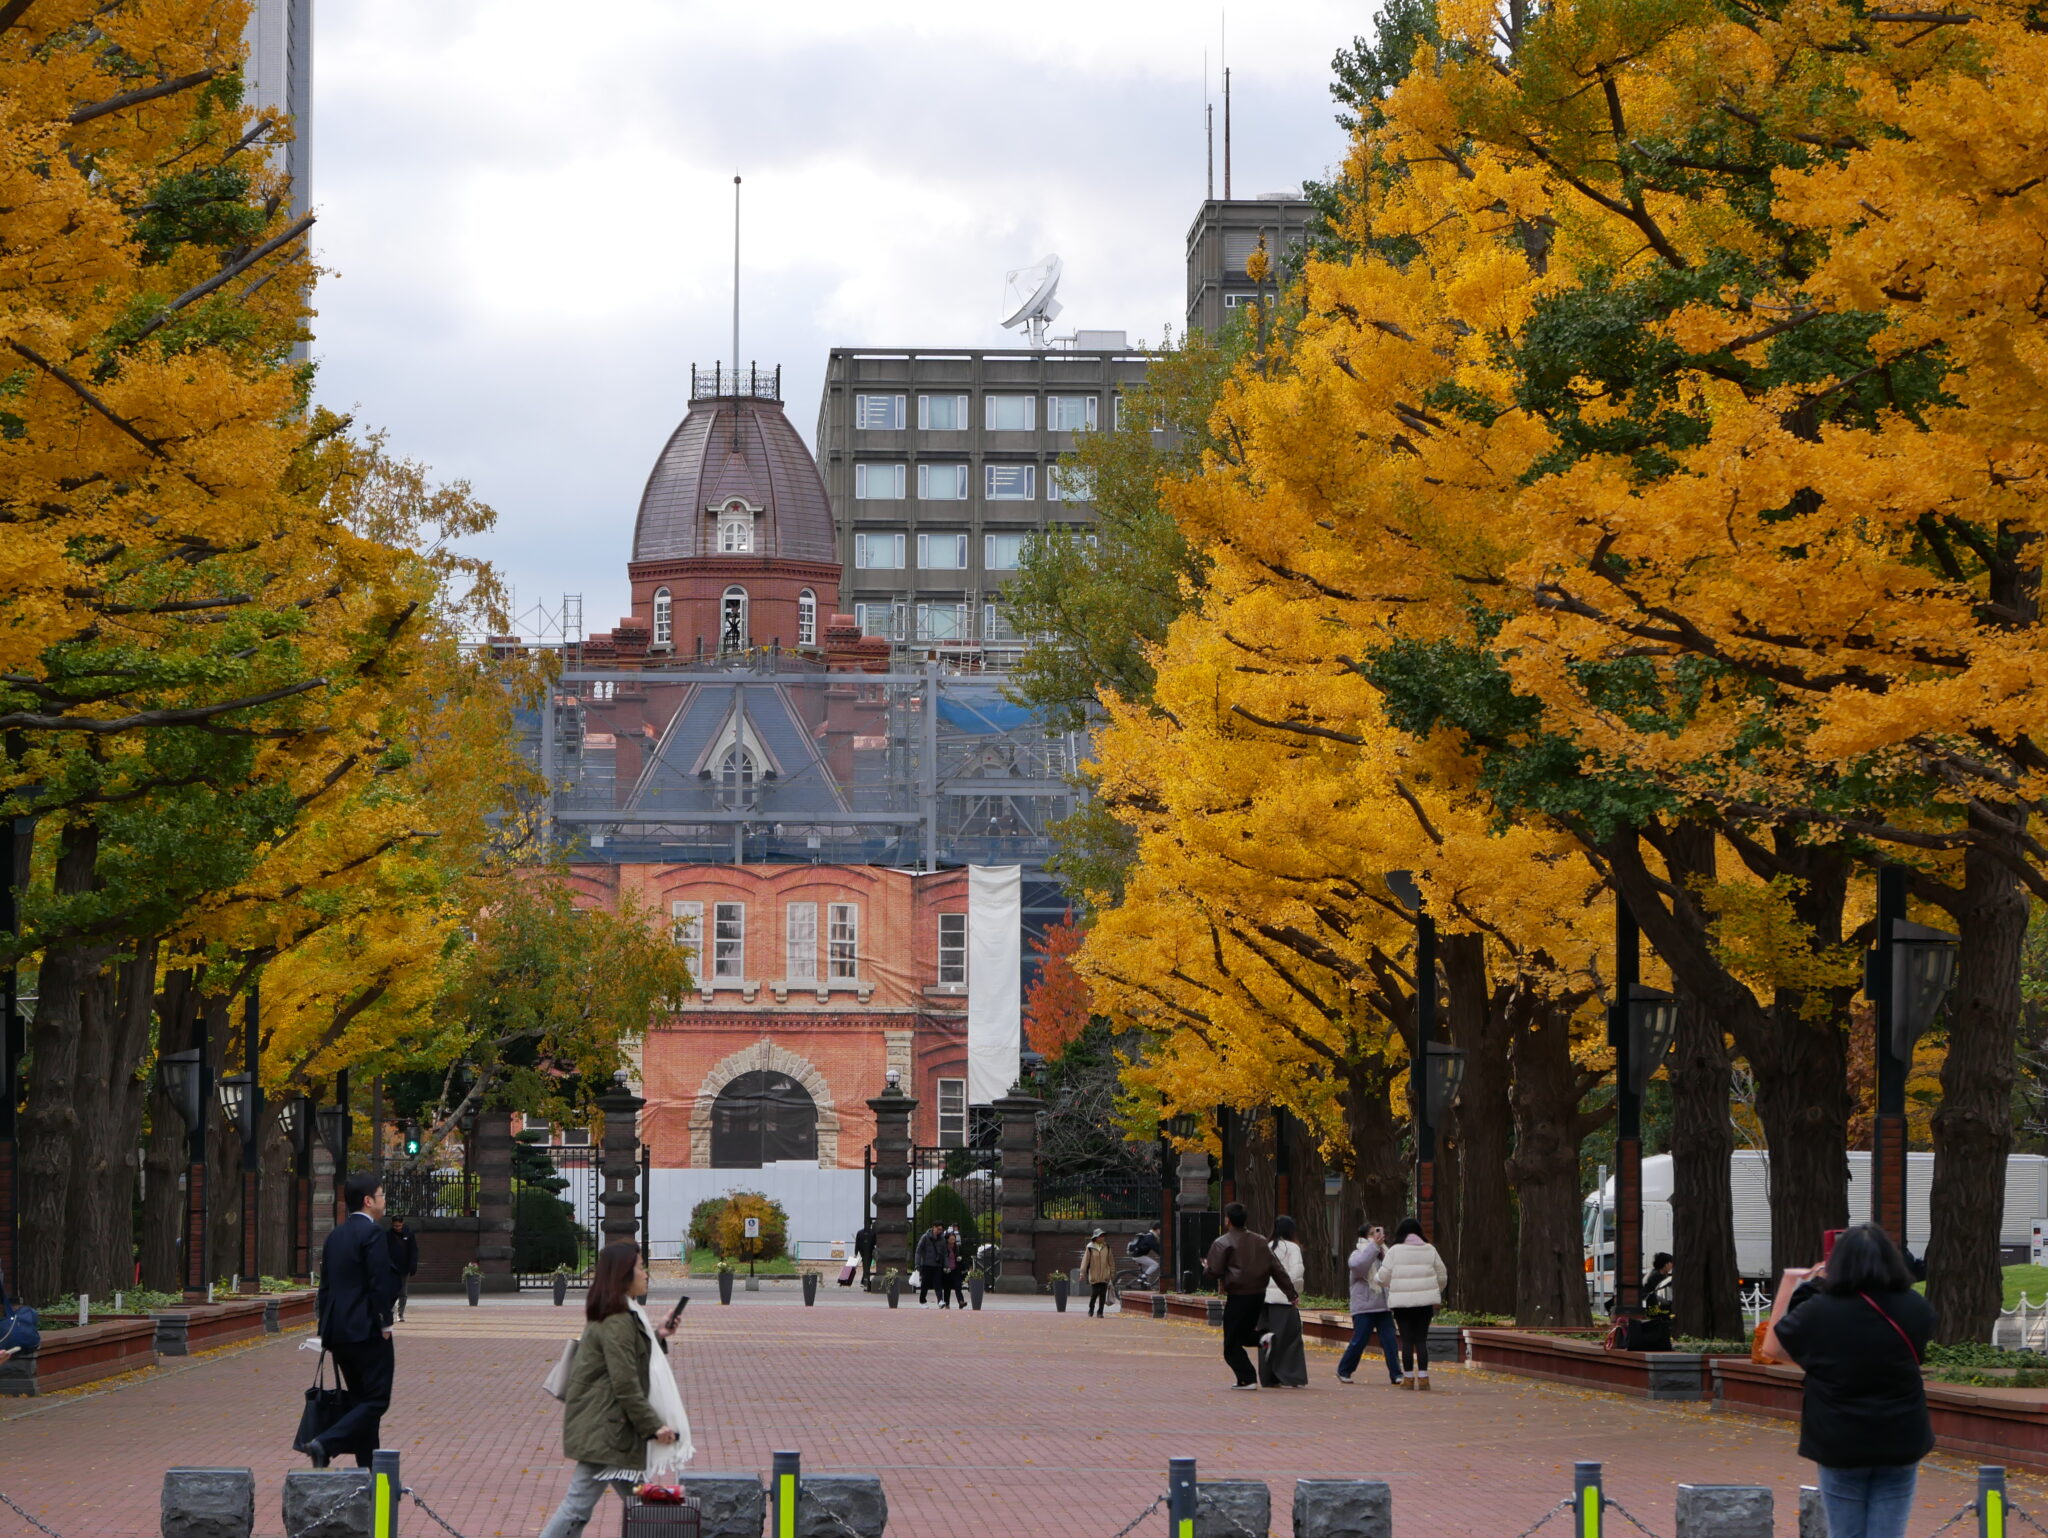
[324,1406]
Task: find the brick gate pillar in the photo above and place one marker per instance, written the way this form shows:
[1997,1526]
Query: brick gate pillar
[621,1195]
[1020,1191]
[892,1110]
[493,1134]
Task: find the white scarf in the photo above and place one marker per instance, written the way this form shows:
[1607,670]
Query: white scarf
[667,1402]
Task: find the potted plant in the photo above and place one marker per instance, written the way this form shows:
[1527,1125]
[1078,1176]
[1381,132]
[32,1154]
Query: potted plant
[560,1281]
[977,1288]
[810,1289]
[1060,1290]
[724,1281]
[473,1283]
[892,1284]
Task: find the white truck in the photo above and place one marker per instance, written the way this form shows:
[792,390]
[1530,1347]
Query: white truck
[1749,1177]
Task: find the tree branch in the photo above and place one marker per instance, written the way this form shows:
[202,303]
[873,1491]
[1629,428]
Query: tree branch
[141,94]
[232,270]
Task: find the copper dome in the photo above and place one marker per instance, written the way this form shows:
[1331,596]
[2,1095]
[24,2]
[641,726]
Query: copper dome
[727,447]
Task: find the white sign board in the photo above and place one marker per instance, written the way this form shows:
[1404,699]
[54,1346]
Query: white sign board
[2040,1231]
[753,1228]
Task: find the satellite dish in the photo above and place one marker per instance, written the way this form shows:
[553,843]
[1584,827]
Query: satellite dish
[1030,293]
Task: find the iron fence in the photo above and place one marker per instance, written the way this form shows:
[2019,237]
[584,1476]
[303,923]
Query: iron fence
[1082,1197]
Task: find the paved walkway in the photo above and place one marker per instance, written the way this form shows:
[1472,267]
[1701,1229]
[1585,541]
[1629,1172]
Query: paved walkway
[1012,1421]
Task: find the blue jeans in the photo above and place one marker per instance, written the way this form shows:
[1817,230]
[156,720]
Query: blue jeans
[1363,1328]
[1868,1503]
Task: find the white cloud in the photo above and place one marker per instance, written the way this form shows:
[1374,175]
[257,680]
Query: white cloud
[530,221]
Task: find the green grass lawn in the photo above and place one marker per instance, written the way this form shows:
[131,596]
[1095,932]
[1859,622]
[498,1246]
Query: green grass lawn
[2032,1280]
[704,1263]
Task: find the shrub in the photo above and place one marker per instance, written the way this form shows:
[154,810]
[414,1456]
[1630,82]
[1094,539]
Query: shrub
[732,1227]
[704,1223]
[546,1233]
[948,1208]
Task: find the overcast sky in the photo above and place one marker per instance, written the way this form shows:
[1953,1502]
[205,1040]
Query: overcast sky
[526,210]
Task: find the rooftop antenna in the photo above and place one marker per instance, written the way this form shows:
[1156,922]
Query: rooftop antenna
[736,311]
[1030,290]
[1223,24]
[1209,125]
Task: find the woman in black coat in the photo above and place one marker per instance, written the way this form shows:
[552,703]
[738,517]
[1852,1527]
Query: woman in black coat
[1861,1332]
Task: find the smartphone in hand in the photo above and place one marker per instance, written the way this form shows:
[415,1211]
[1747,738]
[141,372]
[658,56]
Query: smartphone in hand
[675,1314]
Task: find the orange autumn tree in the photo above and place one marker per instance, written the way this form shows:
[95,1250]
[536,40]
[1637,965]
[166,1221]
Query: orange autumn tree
[1056,1004]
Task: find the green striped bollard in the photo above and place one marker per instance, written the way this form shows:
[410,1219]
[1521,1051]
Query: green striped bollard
[783,1482]
[1180,1498]
[1587,1498]
[384,1493]
[1990,1501]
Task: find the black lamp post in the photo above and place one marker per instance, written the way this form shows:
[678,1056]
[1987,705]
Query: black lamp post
[1181,1127]
[1409,895]
[239,1102]
[295,1121]
[332,1124]
[186,1084]
[16,835]
[1641,1024]
[1907,977]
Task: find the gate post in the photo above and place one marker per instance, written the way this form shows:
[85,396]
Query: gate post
[620,1197]
[494,1200]
[892,1110]
[1020,1191]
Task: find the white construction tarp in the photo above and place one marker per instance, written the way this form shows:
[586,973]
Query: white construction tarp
[995,960]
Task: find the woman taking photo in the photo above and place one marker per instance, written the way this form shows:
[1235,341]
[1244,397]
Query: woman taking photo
[1282,1362]
[622,1417]
[1412,1276]
[1860,1330]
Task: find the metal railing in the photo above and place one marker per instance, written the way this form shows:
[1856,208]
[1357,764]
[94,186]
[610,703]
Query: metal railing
[1082,1197]
[719,382]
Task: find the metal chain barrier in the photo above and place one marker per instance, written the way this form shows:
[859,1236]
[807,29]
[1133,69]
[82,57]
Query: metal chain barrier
[2019,1512]
[440,1521]
[41,1527]
[1132,1526]
[1969,1510]
[1626,1515]
[811,1502]
[1547,1518]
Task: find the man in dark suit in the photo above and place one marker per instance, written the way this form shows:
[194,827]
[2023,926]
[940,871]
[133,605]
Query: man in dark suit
[358,1286]
[405,1257]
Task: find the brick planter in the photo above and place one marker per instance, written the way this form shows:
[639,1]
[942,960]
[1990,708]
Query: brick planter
[1987,1425]
[184,1331]
[294,1310]
[70,1357]
[1586,1363]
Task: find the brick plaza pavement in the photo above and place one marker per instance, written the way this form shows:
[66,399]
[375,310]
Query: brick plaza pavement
[1012,1421]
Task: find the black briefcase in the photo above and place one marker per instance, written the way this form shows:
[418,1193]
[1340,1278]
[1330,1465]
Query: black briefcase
[325,1404]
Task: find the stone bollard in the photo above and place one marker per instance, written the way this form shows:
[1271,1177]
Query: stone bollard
[1233,1508]
[1813,1515]
[327,1503]
[1158,1305]
[209,1503]
[1724,1511]
[732,1505]
[842,1506]
[1216,1313]
[1343,1508]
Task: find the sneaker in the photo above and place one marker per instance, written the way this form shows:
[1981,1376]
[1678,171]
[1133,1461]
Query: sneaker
[1241,1386]
[1343,1377]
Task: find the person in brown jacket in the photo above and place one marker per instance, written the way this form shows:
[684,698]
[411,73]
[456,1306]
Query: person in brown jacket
[1241,1264]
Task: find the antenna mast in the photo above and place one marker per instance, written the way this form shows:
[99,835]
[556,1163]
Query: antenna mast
[1208,126]
[736,313]
[1226,133]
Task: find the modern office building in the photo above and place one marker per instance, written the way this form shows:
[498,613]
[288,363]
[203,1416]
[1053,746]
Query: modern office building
[1220,244]
[279,73]
[941,465]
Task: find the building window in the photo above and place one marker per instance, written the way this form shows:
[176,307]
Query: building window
[686,926]
[537,1126]
[942,483]
[845,942]
[996,626]
[942,413]
[763,1118]
[879,619]
[735,533]
[878,552]
[807,618]
[1010,483]
[1236,301]
[732,620]
[941,621]
[800,943]
[575,1137]
[952,950]
[664,617]
[1003,552]
[1010,413]
[878,483]
[729,941]
[1238,246]
[736,775]
[1069,483]
[878,413]
[942,552]
[1070,413]
[952,1113]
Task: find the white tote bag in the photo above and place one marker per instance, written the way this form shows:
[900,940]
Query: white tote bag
[556,1382]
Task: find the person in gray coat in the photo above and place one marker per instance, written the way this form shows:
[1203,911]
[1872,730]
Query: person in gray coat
[1370,1315]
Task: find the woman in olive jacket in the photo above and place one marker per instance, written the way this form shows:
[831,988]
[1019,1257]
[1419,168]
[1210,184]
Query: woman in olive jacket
[607,1418]
[1861,1331]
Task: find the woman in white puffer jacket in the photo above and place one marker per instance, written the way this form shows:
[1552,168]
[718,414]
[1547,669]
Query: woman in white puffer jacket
[1413,1275]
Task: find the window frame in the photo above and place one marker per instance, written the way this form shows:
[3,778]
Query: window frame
[798,916]
[988,550]
[924,630]
[894,407]
[962,476]
[1029,473]
[926,544]
[842,943]
[1052,413]
[952,953]
[863,544]
[955,1091]
[687,908]
[988,411]
[664,617]
[963,407]
[807,618]
[864,481]
[728,950]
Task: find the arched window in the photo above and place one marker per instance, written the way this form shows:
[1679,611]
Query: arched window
[732,621]
[807,618]
[762,1118]
[736,774]
[735,529]
[664,617]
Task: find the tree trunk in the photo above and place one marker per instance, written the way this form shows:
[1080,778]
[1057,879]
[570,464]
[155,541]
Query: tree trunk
[274,1230]
[1550,1271]
[1310,1209]
[1376,1172]
[164,1159]
[1973,1126]
[100,1238]
[1257,1182]
[1483,1280]
[49,1126]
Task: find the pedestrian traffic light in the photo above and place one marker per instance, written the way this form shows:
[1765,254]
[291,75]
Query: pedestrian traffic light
[412,1141]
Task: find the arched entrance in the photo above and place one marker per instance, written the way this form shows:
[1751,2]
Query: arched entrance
[763,1117]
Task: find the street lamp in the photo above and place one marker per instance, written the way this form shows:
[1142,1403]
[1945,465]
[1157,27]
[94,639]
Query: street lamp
[1445,1072]
[234,1103]
[892,1082]
[332,1122]
[183,1078]
[1429,1106]
[295,1121]
[1652,1026]
[1907,977]
[181,1075]
[1923,972]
